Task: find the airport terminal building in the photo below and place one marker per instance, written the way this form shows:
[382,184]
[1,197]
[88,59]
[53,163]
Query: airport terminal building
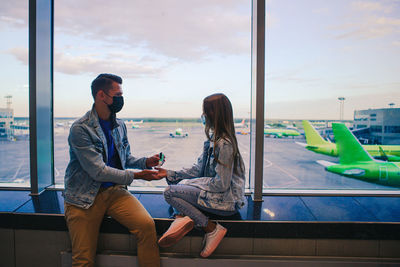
[6,121]
[381,126]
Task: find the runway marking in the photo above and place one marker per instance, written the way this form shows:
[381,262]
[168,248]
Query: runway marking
[269,163]
[289,174]
[16,173]
[296,180]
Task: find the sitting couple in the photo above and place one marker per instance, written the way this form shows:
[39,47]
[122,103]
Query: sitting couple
[98,173]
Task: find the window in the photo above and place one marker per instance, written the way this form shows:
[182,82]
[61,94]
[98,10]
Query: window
[392,129]
[376,129]
[14,95]
[169,58]
[320,58]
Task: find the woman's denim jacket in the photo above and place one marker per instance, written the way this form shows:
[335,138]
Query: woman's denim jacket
[221,187]
[87,167]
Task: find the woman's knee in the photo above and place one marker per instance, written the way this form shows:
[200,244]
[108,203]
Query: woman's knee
[167,193]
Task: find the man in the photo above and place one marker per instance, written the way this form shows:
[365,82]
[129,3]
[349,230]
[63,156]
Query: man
[96,178]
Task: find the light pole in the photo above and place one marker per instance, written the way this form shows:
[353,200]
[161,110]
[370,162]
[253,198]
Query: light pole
[341,99]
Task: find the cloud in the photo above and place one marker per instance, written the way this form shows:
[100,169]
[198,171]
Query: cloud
[185,30]
[94,64]
[370,20]
[371,28]
[174,28]
[372,6]
[20,53]
[14,13]
[129,67]
[321,11]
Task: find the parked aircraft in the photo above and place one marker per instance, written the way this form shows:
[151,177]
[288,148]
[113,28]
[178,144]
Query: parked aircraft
[178,133]
[242,124]
[280,132]
[317,144]
[386,157]
[134,124]
[355,161]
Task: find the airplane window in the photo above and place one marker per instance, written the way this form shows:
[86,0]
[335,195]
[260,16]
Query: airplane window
[170,59]
[14,95]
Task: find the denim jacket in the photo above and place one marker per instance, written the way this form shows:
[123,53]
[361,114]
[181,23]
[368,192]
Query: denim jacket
[221,187]
[87,167]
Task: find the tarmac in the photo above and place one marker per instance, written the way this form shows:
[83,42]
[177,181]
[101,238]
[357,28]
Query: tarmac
[287,165]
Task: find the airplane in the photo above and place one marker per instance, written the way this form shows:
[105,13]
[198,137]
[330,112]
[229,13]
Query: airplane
[386,157]
[280,132]
[355,162]
[178,133]
[317,144]
[134,124]
[242,124]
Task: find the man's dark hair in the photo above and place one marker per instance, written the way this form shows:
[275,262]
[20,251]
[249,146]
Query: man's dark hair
[104,82]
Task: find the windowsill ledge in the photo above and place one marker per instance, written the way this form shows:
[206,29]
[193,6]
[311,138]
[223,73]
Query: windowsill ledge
[338,217]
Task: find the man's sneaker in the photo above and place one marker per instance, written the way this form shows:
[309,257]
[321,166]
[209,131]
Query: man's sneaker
[178,229]
[212,240]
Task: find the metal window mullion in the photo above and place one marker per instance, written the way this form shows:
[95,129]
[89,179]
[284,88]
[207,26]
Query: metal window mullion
[52,92]
[32,97]
[258,77]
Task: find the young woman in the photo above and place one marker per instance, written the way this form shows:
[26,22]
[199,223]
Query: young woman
[215,184]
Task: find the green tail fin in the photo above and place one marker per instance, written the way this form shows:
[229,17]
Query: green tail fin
[349,148]
[312,136]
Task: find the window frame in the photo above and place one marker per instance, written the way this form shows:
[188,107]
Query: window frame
[41,181]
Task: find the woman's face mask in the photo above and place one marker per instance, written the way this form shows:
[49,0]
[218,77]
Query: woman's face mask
[203,119]
[117,104]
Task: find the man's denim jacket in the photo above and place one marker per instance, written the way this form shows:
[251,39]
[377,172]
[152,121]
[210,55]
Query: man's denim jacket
[221,187]
[87,167]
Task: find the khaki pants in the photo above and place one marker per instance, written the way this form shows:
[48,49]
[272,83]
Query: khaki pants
[116,201]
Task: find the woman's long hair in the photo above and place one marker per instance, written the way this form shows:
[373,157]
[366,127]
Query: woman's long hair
[219,120]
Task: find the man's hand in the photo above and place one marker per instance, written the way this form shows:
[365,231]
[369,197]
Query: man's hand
[148,175]
[152,161]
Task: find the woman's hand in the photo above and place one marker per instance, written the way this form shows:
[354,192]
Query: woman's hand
[148,175]
[162,172]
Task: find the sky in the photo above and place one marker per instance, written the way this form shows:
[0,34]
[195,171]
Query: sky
[171,54]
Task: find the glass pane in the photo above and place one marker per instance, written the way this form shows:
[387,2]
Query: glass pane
[169,58]
[44,99]
[334,64]
[14,95]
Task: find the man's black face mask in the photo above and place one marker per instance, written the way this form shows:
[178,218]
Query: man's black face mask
[117,104]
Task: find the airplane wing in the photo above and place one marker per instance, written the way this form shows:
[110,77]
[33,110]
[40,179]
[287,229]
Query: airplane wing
[301,144]
[325,163]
